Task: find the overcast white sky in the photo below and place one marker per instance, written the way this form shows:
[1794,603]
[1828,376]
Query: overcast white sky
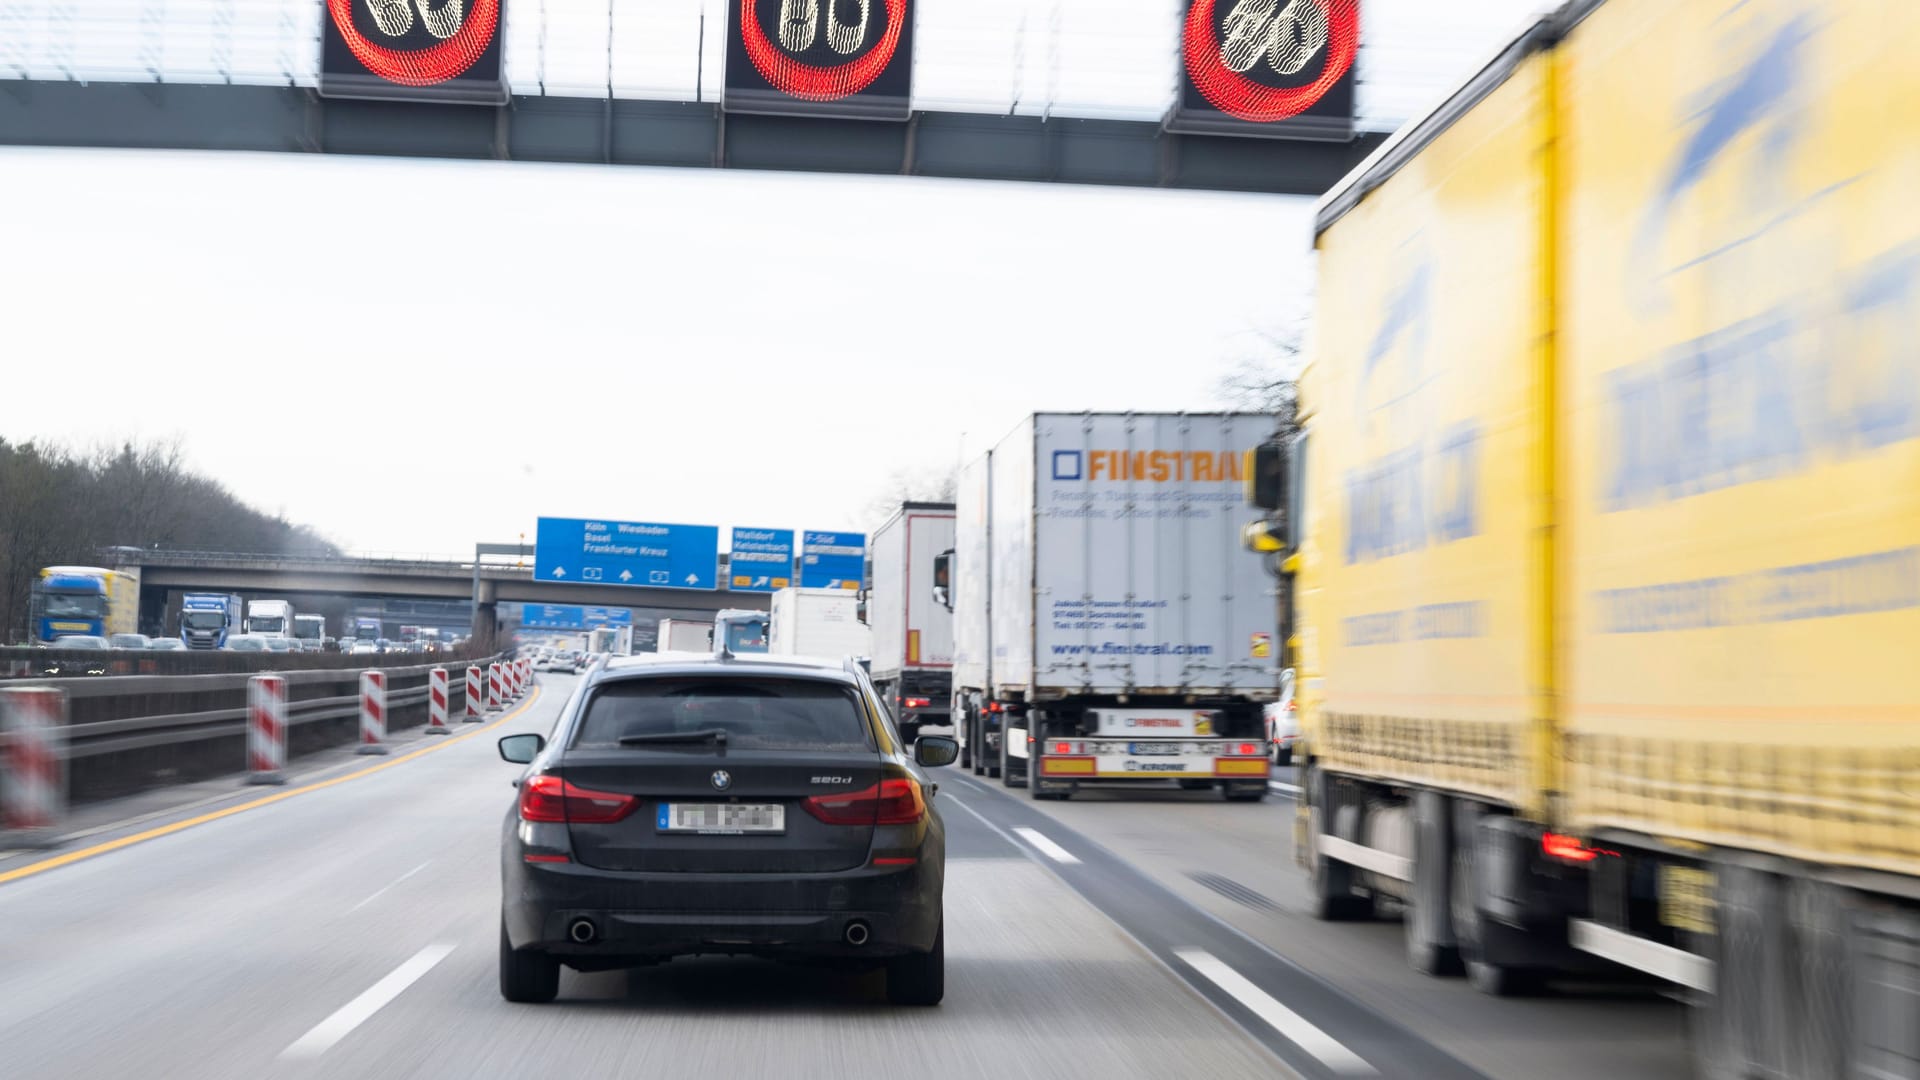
[415,355]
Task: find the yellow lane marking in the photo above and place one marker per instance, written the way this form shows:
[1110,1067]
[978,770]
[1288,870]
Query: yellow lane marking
[166,830]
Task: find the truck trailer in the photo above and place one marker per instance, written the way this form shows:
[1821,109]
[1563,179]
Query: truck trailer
[818,622]
[684,635]
[1107,618]
[908,608]
[1603,531]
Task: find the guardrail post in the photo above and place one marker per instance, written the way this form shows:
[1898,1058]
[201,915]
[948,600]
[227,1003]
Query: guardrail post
[496,688]
[437,701]
[373,712]
[267,729]
[476,696]
[33,765]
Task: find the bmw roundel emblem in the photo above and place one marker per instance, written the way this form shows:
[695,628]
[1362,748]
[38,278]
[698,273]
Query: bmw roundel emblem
[722,779]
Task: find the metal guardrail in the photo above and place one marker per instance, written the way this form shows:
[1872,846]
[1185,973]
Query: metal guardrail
[129,732]
[29,662]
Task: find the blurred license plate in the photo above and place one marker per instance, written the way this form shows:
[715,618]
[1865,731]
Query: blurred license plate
[1147,749]
[722,817]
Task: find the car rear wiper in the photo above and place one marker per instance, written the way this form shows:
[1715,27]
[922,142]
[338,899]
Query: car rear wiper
[717,735]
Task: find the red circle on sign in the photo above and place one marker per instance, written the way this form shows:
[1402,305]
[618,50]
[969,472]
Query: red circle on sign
[810,83]
[1238,96]
[420,67]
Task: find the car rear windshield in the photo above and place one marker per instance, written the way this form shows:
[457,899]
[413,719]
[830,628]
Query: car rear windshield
[756,713]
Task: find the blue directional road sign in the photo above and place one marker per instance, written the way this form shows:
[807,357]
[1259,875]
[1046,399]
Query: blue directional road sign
[552,617]
[641,554]
[606,616]
[762,560]
[833,560]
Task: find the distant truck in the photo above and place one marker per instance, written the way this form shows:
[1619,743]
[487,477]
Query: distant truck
[207,618]
[742,631]
[271,617]
[817,622]
[310,632]
[684,635]
[1109,627]
[1602,528]
[86,600]
[908,608]
[366,628]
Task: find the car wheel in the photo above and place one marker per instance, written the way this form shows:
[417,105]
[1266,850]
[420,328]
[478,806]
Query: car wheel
[919,978]
[526,975]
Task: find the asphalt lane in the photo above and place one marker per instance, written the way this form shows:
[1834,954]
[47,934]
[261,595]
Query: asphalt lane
[350,931]
[1235,862]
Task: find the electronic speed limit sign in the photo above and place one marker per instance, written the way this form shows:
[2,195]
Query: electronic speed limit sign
[845,58]
[1278,68]
[413,50]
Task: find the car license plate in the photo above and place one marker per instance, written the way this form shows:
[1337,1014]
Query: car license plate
[1148,749]
[722,818]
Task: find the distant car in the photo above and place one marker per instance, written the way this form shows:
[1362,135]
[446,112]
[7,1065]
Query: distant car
[276,643]
[80,641]
[382,645]
[568,661]
[129,641]
[758,806]
[167,644]
[1283,731]
[363,648]
[248,643]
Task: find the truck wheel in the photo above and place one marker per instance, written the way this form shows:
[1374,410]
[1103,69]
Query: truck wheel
[1471,932]
[1251,794]
[1329,882]
[1428,919]
[976,734]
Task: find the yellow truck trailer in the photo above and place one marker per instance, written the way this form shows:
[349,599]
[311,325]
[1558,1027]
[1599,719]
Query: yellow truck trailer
[1605,523]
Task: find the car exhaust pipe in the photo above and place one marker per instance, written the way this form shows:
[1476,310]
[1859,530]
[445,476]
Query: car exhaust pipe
[857,933]
[583,932]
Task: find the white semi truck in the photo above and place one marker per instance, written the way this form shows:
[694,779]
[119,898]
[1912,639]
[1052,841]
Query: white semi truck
[274,617]
[1109,626]
[818,622]
[912,622]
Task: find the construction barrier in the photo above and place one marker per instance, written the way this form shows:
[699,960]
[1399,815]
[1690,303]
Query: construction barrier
[267,729]
[476,696]
[33,769]
[437,701]
[373,712]
[496,688]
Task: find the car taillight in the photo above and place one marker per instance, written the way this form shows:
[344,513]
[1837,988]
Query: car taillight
[917,702]
[550,798]
[894,801]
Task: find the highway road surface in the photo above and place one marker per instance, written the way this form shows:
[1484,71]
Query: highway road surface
[346,926]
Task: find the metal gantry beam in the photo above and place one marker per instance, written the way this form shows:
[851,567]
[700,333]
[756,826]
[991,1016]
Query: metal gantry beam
[689,134]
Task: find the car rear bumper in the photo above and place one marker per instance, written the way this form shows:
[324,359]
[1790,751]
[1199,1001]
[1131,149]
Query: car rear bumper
[646,915]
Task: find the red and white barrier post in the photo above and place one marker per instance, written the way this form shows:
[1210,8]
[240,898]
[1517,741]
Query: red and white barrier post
[267,729]
[476,702]
[496,688]
[437,701]
[33,764]
[373,712]
[519,679]
[526,675]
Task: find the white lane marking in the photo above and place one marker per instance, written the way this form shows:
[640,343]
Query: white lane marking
[388,885]
[1004,835]
[1283,788]
[354,1013]
[1293,1027]
[1046,847]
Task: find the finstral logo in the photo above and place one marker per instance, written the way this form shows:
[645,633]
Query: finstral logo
[1066,464]
[1150,466]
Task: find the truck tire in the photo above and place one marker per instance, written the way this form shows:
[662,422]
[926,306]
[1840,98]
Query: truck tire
[1428,920]
[977,735]
[1006,761]
[1472,932]
[1258,794]
[1329,882]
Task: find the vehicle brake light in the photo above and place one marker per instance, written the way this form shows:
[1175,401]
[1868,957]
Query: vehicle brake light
[893,801]
[1562,846]
[1247,749]
[550,798]
[917,702]
[994,706]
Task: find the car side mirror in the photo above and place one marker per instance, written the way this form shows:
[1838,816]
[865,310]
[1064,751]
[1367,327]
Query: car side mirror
[935,750]
[521,749]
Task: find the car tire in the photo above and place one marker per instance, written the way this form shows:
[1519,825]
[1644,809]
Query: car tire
[527,976]
[919,978]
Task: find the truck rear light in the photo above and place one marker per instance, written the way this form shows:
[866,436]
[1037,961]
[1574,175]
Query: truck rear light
[893,801]
[552,799]
[1570,849]
[916,702]
[1247,749]
[1064,746]
[994,706]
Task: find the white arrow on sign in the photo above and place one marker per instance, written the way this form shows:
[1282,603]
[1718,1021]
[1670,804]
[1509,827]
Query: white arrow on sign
[559,572]
[626,575]
[693,579]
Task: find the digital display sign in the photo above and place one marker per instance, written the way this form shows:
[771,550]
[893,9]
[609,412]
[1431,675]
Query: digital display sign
[445,51]
[1272,68]
[844,58]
